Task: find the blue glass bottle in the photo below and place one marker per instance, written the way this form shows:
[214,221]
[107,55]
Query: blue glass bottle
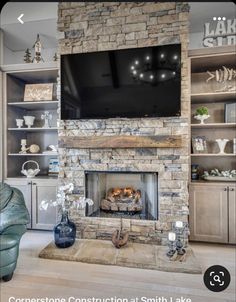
[64,232]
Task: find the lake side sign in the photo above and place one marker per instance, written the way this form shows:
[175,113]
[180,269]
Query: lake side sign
[220,33]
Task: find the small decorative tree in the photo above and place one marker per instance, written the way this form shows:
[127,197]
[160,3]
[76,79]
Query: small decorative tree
[27,56]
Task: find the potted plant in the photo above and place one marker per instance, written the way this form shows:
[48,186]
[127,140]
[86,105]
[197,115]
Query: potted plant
[201,114]
[65,230]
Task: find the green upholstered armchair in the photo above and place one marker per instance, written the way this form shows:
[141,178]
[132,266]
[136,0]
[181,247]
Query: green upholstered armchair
[14,217]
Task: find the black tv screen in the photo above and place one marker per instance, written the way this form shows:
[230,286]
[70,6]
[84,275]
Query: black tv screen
[137,82]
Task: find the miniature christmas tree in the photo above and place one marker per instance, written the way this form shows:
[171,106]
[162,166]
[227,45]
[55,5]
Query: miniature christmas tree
[27,56]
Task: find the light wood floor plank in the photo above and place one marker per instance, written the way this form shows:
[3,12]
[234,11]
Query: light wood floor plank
[35,277]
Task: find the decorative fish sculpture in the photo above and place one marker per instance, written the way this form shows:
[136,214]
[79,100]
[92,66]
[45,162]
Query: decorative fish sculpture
[222,75]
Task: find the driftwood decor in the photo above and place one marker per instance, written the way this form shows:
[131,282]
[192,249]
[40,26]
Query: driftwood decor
[121,141]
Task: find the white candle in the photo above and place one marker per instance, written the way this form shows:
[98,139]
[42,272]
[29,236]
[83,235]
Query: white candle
[171,236]
[179,224]
[23,142]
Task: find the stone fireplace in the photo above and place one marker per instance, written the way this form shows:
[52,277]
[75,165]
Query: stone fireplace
[161,174]
[131,195]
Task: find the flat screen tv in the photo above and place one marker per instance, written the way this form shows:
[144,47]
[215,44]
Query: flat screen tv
[137,82]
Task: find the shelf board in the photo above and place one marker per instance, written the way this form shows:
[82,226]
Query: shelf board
[212,154]
[33,129]
[35,105]
[212,97]
[31,154]
[214,125]
[29,67]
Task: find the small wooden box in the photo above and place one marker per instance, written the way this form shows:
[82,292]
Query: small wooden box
[40,92]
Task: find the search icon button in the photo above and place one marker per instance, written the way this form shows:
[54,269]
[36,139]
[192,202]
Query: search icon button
[216,278]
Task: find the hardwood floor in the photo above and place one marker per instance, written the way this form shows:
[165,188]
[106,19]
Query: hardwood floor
[40,278]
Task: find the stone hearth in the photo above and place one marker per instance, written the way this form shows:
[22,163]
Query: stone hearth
[132,255]
[86,27]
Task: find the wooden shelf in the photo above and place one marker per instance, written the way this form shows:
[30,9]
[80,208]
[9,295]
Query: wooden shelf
[214,125]
[29,67]
[212,97]
[213,155]
[31,154]
[36,105]
[40,129]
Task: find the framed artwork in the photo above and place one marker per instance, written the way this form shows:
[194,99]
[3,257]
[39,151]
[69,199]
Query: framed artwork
[199,144]
[230,113]
[39,92]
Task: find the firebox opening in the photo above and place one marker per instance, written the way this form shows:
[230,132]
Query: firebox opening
[132,195]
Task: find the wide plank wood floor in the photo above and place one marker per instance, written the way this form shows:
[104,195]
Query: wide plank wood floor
[40,278]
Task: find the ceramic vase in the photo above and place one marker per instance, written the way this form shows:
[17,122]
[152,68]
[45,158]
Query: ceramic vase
[202,118]
[19,122]
[29,120]
[222,143]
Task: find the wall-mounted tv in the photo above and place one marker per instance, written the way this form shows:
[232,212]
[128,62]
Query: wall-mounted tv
[137,82]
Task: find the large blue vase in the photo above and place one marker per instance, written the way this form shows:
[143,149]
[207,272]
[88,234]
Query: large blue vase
[64,232]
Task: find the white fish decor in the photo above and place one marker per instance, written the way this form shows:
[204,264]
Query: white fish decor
[223,75]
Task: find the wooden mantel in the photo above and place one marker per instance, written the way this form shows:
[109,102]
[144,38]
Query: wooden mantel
[120,141]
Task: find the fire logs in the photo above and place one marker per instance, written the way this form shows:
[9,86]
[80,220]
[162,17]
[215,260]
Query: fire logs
[122,199]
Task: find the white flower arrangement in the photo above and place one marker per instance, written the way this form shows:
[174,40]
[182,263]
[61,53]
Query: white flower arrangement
[65,201]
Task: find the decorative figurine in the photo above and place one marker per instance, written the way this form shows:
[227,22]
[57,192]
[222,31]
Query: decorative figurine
[27,56]
[37,49]
[23,143]
[47,116]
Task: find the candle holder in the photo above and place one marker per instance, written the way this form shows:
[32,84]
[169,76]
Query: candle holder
[177,238]
[172,247]
[23,146]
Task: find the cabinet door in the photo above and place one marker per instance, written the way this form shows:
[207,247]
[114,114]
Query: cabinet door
[25,187]
[43,190]
[232,215]
[208,213]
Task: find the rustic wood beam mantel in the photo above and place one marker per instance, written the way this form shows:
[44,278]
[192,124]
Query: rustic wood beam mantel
[121,141]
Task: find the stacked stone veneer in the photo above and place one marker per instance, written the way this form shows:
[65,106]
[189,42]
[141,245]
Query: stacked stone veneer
[86,27]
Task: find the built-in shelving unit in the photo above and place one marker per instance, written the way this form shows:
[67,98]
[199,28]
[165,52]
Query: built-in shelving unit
[15,79]
[209,94]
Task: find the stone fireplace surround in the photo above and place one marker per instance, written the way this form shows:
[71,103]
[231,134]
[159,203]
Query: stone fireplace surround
[85,27]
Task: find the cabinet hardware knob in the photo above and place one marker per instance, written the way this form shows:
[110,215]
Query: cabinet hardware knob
[225,189]
[29,183]
[231,189]
[34,183]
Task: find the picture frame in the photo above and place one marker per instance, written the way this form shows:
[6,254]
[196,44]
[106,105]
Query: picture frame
[53,168]
[230,113]
[199,144]
[39,92]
